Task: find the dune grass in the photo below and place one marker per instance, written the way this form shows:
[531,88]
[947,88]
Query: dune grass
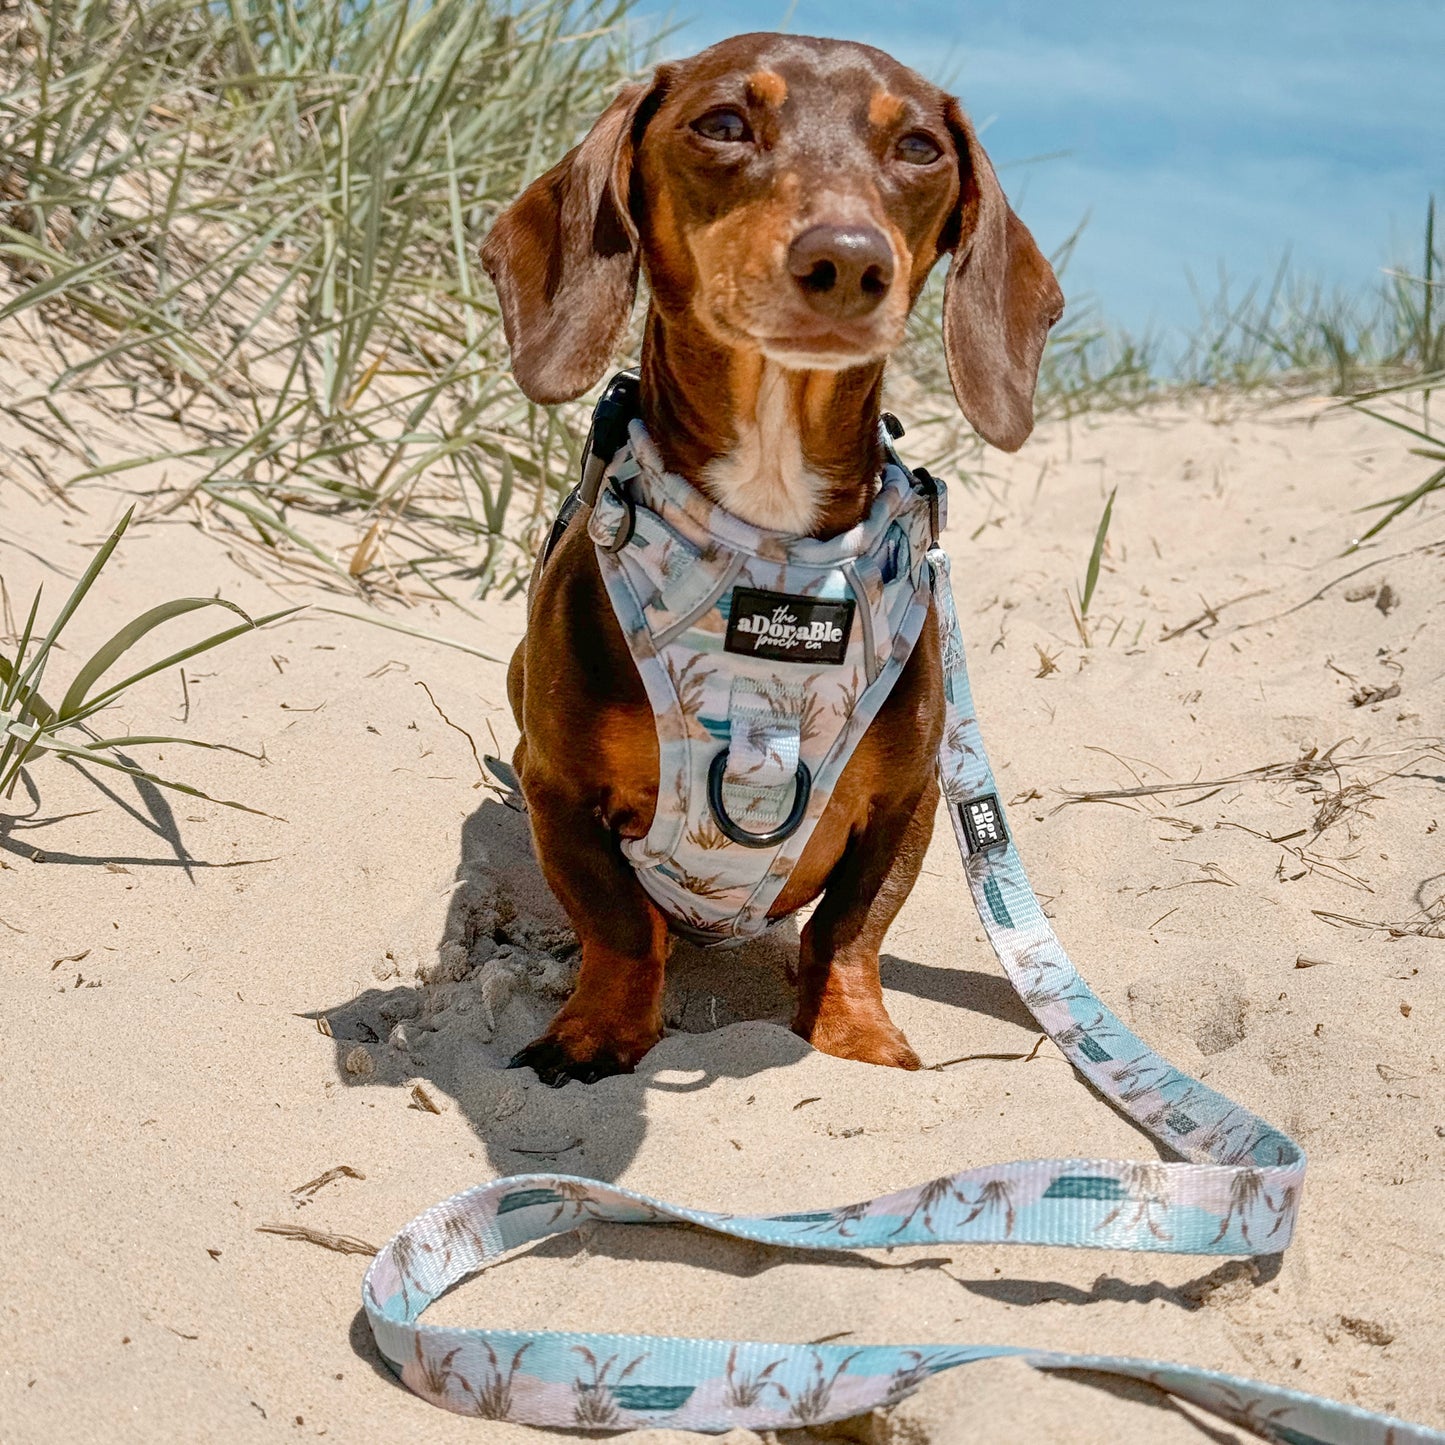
[1380,349]
[249,229]
[1429,357]
[259,223]
[32,728]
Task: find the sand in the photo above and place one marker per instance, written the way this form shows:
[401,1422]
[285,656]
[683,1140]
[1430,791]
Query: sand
[204,1010]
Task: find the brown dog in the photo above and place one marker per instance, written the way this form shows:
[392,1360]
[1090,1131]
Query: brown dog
[786,198]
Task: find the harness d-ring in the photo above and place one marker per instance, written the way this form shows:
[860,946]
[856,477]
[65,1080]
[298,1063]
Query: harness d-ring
[803,790]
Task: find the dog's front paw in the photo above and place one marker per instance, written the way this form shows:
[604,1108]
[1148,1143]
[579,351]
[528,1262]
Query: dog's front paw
[567,1053]
[865,1041]
[556,1066]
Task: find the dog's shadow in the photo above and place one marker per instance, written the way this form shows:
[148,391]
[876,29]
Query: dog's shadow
[505,961]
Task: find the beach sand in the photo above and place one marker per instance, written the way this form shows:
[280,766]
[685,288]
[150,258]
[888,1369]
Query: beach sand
[204,1009]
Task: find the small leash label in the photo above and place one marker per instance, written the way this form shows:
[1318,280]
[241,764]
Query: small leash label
[784,628]
[982,820]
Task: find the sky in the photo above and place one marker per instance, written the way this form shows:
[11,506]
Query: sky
[1191,136]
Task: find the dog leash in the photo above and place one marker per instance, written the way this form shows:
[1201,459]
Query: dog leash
[1237,1194]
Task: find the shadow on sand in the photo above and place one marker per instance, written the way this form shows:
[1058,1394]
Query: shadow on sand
[504,962]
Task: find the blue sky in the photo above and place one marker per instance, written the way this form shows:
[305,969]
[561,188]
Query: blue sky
[1193,134]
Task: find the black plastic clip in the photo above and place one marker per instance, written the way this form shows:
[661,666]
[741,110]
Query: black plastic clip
[615,410]
[926,485]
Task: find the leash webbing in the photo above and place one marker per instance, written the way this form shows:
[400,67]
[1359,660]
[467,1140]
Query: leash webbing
[1237,1194]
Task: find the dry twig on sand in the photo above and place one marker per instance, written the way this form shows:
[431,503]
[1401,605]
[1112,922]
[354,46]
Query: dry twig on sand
[1310,765]
[1429,922]
[341,1243]
[341,1171]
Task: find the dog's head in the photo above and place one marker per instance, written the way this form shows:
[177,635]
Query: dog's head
[788,196]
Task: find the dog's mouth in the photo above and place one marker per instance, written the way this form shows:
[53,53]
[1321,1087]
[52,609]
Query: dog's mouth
[798,339]
[809,342]
[828,351]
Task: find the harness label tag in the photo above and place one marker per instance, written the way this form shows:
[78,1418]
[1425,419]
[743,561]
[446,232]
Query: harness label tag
[983,823]
[785,628]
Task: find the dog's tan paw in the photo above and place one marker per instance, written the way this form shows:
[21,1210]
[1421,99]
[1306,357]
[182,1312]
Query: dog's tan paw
[866,1041]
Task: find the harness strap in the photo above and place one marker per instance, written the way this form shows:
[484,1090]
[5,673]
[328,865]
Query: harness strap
[765,739]
[1237,1195]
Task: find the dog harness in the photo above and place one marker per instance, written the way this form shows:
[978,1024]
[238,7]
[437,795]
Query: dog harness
[737,728]
[765,658]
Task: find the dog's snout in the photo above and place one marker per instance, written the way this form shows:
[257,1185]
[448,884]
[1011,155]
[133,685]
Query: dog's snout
[844,271]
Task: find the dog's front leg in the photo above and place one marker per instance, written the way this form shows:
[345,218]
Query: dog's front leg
[840,996]
[615,1013]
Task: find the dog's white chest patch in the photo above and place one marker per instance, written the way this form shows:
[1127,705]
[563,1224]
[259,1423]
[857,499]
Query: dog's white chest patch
[765,479]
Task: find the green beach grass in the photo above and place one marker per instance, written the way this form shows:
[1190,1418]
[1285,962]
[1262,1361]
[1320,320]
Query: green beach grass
[256,225]
[261,222]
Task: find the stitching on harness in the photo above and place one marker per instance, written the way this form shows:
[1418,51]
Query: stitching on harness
[675,629]
[865,611]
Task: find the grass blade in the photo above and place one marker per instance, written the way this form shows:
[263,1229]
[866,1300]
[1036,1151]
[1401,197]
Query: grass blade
[102,699]
[77,596]
[1091,576]
[127,638]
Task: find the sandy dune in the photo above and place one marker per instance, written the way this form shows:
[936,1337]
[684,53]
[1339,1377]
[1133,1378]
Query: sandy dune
[205,1010]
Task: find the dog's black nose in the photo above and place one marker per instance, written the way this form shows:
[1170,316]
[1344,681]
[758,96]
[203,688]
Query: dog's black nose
[844,271]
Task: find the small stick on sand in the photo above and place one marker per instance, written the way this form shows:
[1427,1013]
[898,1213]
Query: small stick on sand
[342,1171]
[1027,1058]
[471,742]
[341,1243]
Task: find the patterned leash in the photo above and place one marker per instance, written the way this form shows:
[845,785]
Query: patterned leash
[1237,1194]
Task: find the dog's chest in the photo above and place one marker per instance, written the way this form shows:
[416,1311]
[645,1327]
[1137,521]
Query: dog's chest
[765,479]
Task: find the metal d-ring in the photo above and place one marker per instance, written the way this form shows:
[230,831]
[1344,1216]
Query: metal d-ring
[623,535]
[803,789]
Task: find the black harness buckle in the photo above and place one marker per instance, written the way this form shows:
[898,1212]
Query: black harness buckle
[613,414]
[926,485]
[619,403]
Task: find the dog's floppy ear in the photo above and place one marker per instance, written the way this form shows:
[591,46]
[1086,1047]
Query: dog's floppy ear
[563,257]
[999,300]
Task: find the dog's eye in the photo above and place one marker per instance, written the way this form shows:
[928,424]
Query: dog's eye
[918,149]
[722,125]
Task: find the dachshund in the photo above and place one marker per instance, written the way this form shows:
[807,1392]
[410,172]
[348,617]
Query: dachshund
[785,198]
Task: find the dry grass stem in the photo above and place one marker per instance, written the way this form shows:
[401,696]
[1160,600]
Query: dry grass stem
[340,1243]
[1310,765]
[341,1171]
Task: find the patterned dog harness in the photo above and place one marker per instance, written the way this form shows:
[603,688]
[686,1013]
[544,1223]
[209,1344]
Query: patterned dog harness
[684,579]
[765,658]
